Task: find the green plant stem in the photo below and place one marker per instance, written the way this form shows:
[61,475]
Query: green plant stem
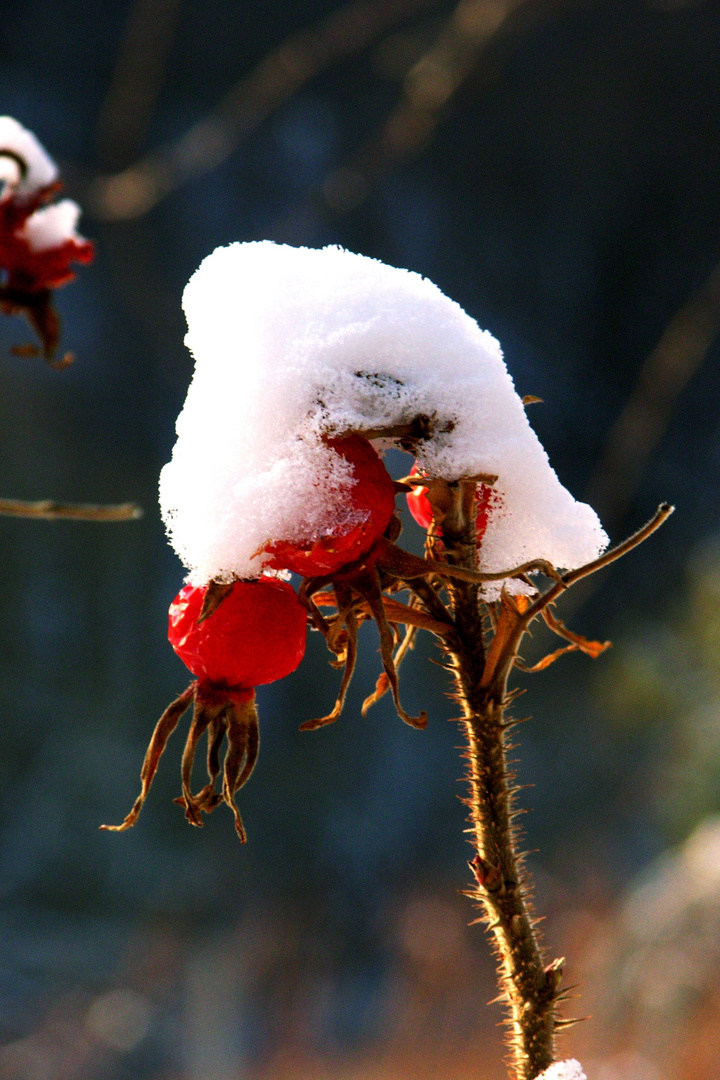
[528,986]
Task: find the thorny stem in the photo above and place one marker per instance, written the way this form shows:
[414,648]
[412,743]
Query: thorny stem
[530,988]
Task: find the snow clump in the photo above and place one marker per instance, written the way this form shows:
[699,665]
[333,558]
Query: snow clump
[52,226]
[28,174]
[564,1070]
[25,167]
[38,242]
[294,344]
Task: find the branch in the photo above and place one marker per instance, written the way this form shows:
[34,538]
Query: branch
[528,985]
[428,89]
[48,510]
[277,78]
[661,515]
[641,425]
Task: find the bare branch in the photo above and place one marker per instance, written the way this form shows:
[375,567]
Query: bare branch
[661,515]
[428,88]
[664,375]
[140,67]
[279,75]
[48,510]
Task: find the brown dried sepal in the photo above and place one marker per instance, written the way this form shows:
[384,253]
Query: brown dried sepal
[213,598]
[37,308]
[219,712]
[578,643]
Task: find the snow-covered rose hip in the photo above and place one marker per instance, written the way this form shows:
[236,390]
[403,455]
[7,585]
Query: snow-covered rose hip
[39,241]
[253,636]
[370,505]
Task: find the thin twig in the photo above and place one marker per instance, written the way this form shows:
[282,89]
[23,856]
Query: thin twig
[515,633]
[661,515]
[140,67]
[273,81]
[48,510]
[641,425]
[428,89]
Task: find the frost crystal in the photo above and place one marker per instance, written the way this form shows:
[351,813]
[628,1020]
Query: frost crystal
[564,1070]
[293,344]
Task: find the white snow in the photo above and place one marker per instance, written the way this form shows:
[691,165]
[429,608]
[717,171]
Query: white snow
[294,343]
[564,1070]
[51,226]
[39,168]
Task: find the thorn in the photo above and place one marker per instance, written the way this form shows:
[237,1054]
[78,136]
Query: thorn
[554,974]
[508,724]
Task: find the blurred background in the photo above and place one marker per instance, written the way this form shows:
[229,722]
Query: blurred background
[554,166]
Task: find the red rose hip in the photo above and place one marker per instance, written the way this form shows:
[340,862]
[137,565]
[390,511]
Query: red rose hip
[421,510]
[255,636]
[372,498]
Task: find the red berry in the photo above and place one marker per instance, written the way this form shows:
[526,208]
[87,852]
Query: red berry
[372,497]
[27,270]
[256,635]
[420,508]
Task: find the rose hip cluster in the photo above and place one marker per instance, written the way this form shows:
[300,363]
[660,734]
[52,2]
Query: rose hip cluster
[239,635]
[38,237]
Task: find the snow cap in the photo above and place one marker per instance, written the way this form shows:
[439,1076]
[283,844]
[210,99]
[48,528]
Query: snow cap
[564,1070]
[51,226]
[24,165]
[293,344]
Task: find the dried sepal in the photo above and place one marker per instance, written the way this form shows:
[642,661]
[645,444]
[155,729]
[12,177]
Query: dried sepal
[215,593]
[219,712]
[368,586]
[590,648]
[163,730]
[578,643]
[208,798]
[243,739]
[382,684]
[204,713]
[509,615]
[350,657]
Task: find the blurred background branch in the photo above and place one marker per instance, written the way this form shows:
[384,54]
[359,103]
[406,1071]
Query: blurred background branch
[211,140]
[640,427]
[427,91]
[127,111]
[49,510]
